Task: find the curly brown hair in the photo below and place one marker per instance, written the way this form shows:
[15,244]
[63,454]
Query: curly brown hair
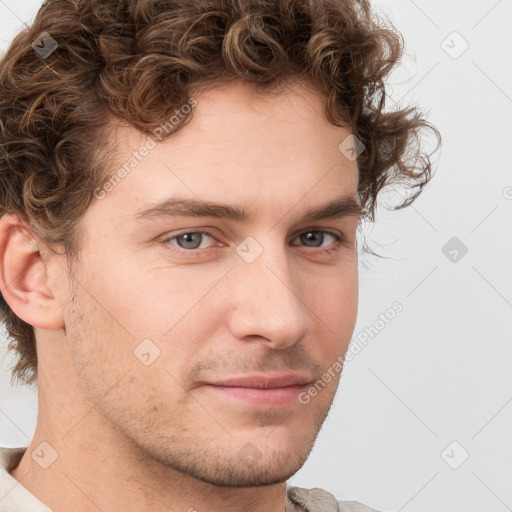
[139,60]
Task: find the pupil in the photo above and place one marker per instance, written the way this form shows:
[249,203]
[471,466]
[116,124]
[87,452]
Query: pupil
[311,235]
[188,238]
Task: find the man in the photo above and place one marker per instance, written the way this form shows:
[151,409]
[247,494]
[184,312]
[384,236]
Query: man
[182,183]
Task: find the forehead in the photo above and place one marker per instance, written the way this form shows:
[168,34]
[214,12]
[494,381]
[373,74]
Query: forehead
[238,114]
[240,144]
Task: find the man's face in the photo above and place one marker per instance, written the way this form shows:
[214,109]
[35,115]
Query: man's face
[159,316]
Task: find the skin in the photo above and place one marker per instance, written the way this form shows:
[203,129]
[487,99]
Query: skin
[131,437]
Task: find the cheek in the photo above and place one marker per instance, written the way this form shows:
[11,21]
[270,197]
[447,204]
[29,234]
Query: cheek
[155,300]
[333,293]
[99,347]
[150,323]
[333,304]
[124,388]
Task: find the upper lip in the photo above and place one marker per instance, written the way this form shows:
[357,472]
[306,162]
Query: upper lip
[263,381]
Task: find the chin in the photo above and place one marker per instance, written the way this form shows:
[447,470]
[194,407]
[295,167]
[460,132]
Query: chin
[266,470]
[239,461]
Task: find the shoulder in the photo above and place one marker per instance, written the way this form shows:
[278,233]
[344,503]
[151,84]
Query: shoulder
[13,496]
[320,500]
[354,506]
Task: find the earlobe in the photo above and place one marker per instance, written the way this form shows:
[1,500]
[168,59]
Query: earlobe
[24,276]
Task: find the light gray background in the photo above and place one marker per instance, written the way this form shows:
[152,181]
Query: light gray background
[440,372]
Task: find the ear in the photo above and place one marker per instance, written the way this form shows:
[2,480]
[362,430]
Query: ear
[24,277]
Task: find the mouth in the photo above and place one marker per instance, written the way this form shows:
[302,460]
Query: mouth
[261,391]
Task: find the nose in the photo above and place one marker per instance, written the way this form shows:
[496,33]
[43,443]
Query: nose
[267,301]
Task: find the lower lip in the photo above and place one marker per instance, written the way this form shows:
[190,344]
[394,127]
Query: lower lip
[261,397]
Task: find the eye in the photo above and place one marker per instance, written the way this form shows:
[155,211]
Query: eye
[317,237]
[190,240]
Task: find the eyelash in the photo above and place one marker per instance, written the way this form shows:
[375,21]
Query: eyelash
[339,240]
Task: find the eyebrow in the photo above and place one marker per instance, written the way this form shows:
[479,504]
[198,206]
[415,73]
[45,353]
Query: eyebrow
[180,207]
